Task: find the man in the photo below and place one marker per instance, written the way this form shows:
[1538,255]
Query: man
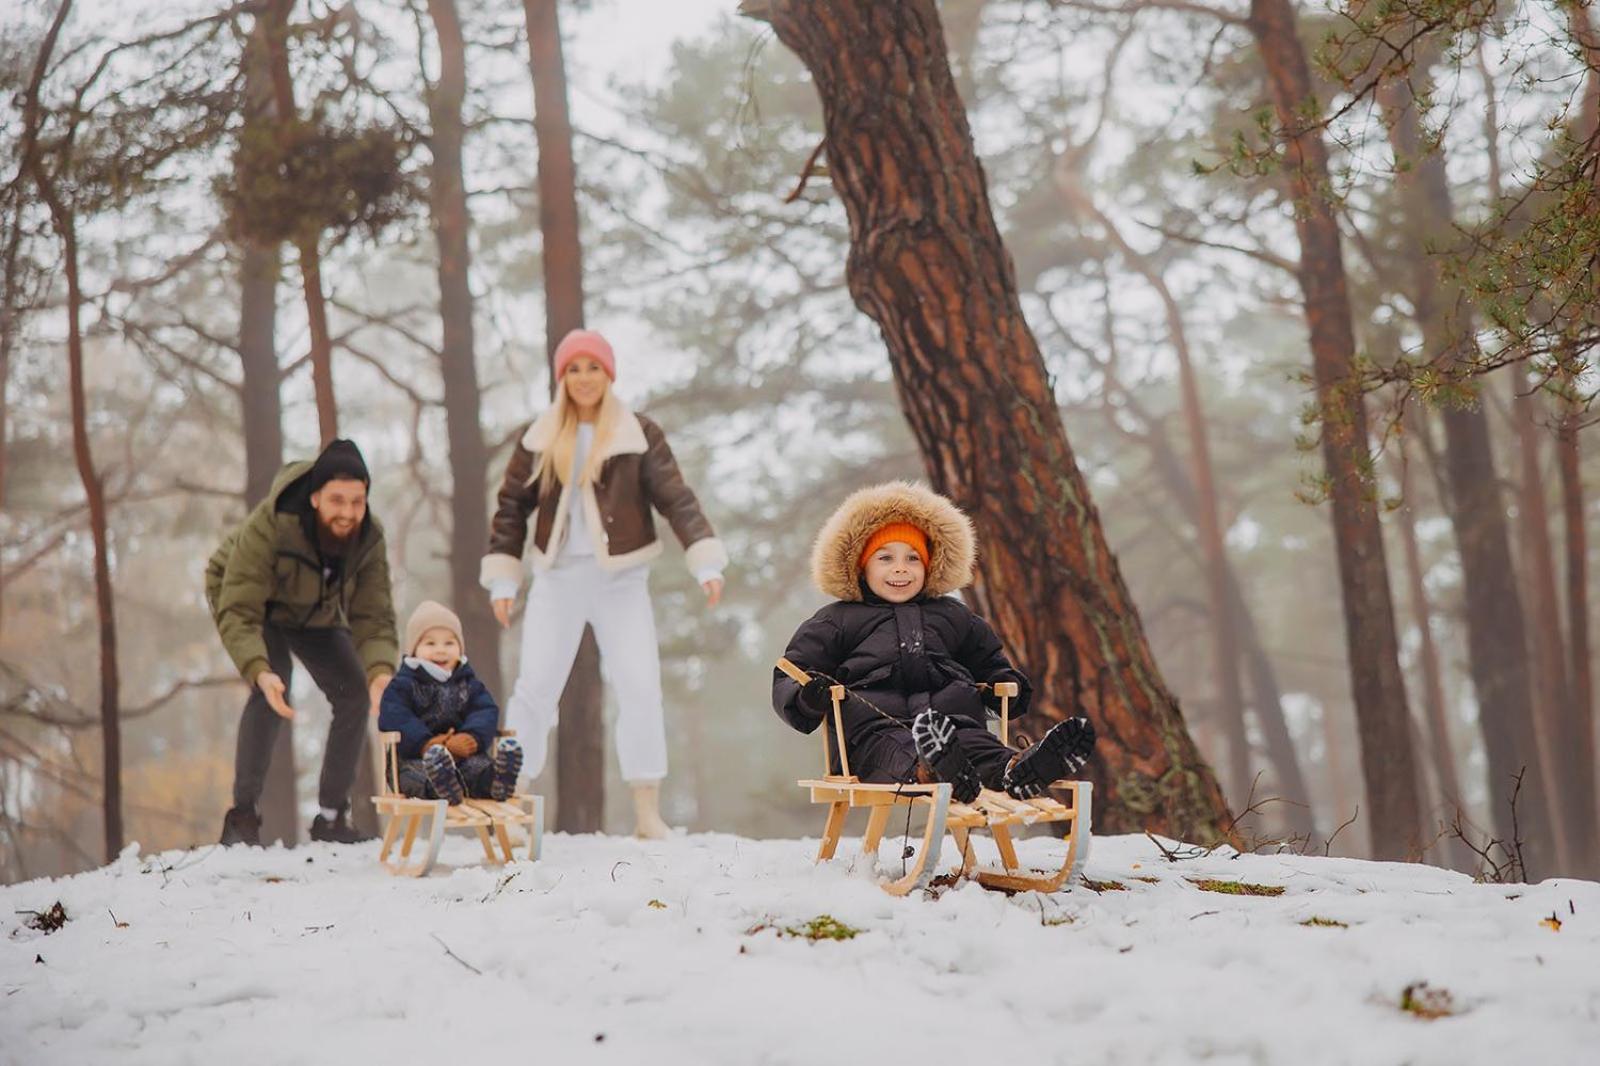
[307,574]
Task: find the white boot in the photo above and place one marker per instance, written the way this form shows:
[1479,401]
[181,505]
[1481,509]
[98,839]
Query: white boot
[647,812]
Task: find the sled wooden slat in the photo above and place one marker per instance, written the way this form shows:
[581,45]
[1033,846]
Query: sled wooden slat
[994,811]
[488,819]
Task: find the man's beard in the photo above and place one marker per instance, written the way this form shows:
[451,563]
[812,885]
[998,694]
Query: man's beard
[334,541]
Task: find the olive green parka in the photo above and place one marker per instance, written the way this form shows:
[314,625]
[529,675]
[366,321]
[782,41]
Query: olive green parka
[268,570]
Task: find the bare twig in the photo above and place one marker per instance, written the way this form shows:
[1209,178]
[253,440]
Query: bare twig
[453,955]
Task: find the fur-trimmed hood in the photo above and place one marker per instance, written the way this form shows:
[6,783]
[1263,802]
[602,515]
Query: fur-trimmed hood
[951,541]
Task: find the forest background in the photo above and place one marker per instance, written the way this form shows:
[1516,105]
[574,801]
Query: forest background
[197,287]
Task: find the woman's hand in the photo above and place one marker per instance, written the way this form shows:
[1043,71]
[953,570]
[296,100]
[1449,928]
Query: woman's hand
[713,591]
[502,612]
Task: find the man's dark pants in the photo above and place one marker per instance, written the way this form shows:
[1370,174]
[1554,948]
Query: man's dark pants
[331,658]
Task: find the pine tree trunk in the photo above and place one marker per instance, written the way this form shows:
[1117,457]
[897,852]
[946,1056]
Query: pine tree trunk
[927,264]
[1387,761]
[1439,736]
[469,457]
[1496,632]
[1547,646]
[104,596]
[580,732]
[1579,734]
[276,16]
[261,406]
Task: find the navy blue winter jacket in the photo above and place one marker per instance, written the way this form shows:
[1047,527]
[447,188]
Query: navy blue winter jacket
[418,707]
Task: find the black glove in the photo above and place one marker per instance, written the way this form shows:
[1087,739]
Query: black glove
[816,695]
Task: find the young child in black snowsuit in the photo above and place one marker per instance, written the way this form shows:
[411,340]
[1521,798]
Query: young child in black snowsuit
[913,656]
[446,718]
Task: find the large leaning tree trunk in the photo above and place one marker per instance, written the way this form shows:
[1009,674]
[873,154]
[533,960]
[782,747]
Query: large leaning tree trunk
[1496,633]
[927,264]
[580,729]
[469,456]
[261,408]
[1388,763]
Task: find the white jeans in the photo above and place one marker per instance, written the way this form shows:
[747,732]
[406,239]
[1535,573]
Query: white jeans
[573,592]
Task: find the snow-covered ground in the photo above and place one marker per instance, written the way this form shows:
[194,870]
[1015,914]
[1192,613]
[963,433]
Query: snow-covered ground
[611,950]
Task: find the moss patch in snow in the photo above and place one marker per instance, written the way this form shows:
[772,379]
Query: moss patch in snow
[1427,1002]
[822,927]
[1235,888]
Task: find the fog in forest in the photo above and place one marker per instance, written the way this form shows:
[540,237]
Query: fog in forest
[1140,182]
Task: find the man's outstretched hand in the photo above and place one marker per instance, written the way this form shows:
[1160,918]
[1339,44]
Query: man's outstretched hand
[379,683]
[273,688]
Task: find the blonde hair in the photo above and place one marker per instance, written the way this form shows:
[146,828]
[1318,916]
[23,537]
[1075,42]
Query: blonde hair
[555,463]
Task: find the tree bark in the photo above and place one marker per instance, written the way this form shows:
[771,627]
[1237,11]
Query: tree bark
[927,264]
[276,15]
[469,456]
[1388,763]
[580,732]
[1496,632]
[94,492]
[1556,718]
[1439,737]
[261,406]
[1578,741]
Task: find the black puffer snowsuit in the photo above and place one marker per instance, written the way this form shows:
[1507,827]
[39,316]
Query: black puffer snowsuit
[900,659]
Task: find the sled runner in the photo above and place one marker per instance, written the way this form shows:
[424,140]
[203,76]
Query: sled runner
[995,811]
[410,818]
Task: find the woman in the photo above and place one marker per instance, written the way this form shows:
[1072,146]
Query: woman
[587,472]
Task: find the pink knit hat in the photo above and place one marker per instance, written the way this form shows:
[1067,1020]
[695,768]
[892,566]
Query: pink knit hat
[585,342]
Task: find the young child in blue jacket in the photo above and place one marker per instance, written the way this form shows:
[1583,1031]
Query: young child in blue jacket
[446,717]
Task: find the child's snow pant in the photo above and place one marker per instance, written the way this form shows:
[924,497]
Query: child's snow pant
[574,592]
[885,754]
[476,771]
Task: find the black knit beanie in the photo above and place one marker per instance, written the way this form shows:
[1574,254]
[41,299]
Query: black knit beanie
[340,459]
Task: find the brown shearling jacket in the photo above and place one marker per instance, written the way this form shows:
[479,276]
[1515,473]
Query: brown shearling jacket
[637,472]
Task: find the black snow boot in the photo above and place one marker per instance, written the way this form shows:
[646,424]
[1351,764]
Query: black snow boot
[507,765]
[1061,753]
[440,767]
[241,825]
[940,751]
[338,831]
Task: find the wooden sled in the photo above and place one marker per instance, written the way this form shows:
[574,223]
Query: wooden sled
[407,818]
[994,811]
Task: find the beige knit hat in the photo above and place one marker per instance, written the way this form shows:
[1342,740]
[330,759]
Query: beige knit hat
[431,615]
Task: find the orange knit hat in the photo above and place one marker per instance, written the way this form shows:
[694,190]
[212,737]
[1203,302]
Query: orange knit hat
[904,532]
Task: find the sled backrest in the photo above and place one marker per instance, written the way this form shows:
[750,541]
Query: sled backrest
[800,677]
